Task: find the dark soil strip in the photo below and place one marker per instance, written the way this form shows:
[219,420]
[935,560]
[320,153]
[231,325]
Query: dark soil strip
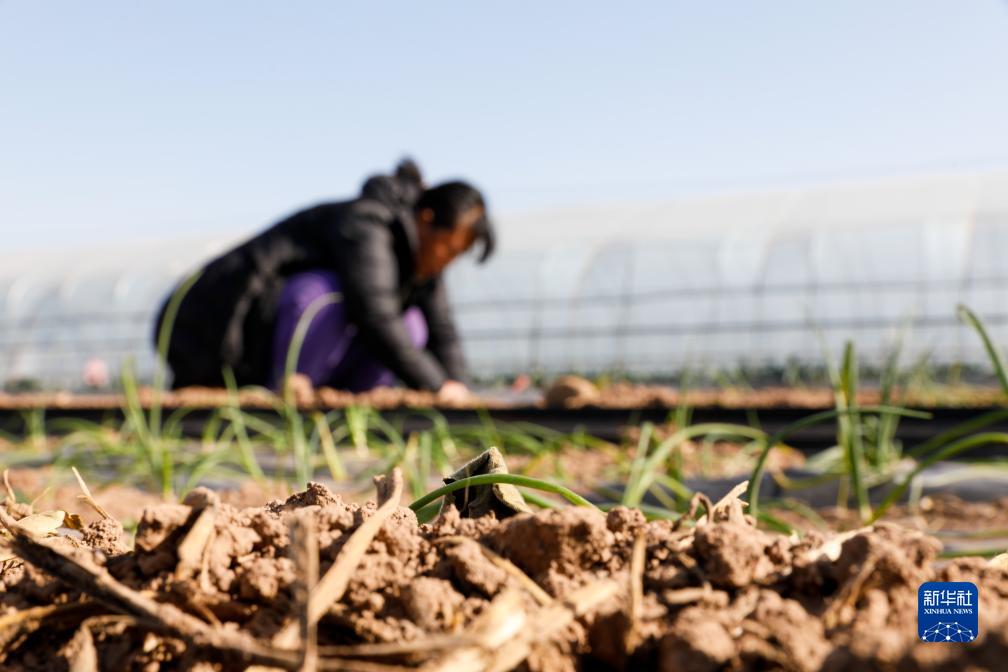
[603,423]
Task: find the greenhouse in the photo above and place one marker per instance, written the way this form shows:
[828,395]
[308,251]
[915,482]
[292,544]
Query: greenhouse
[756,279]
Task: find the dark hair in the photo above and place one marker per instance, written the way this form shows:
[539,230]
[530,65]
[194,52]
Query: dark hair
[450,200]
[409,171]
[410,180]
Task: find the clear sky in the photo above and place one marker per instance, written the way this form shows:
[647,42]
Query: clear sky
[126,120]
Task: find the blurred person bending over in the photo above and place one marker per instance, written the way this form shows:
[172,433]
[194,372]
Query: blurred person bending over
[370,271]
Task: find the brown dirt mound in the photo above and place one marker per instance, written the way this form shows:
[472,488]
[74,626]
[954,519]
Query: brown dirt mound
[209,586]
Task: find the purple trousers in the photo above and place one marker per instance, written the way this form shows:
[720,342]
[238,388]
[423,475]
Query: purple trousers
[332,353]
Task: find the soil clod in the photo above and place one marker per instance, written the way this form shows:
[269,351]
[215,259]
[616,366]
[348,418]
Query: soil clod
[210,586]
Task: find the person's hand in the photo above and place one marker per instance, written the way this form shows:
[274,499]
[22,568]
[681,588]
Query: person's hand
[453,392]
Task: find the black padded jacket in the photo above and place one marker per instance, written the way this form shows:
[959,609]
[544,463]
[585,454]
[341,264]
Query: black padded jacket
[226,319]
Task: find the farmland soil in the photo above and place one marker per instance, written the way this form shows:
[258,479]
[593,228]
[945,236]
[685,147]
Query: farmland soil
[554,590]
[571,392]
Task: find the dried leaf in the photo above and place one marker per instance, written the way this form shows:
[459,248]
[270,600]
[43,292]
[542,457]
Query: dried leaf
[73,521]
[190,551]
[503,499]
[86,657]
[42,524]
[11,497]
[88,497]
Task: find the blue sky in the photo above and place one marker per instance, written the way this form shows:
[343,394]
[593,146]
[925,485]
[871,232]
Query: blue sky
[126,120]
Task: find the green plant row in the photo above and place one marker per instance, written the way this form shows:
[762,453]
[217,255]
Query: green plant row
[353,444]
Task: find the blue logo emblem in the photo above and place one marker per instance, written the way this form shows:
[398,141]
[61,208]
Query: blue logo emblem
[948,611]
